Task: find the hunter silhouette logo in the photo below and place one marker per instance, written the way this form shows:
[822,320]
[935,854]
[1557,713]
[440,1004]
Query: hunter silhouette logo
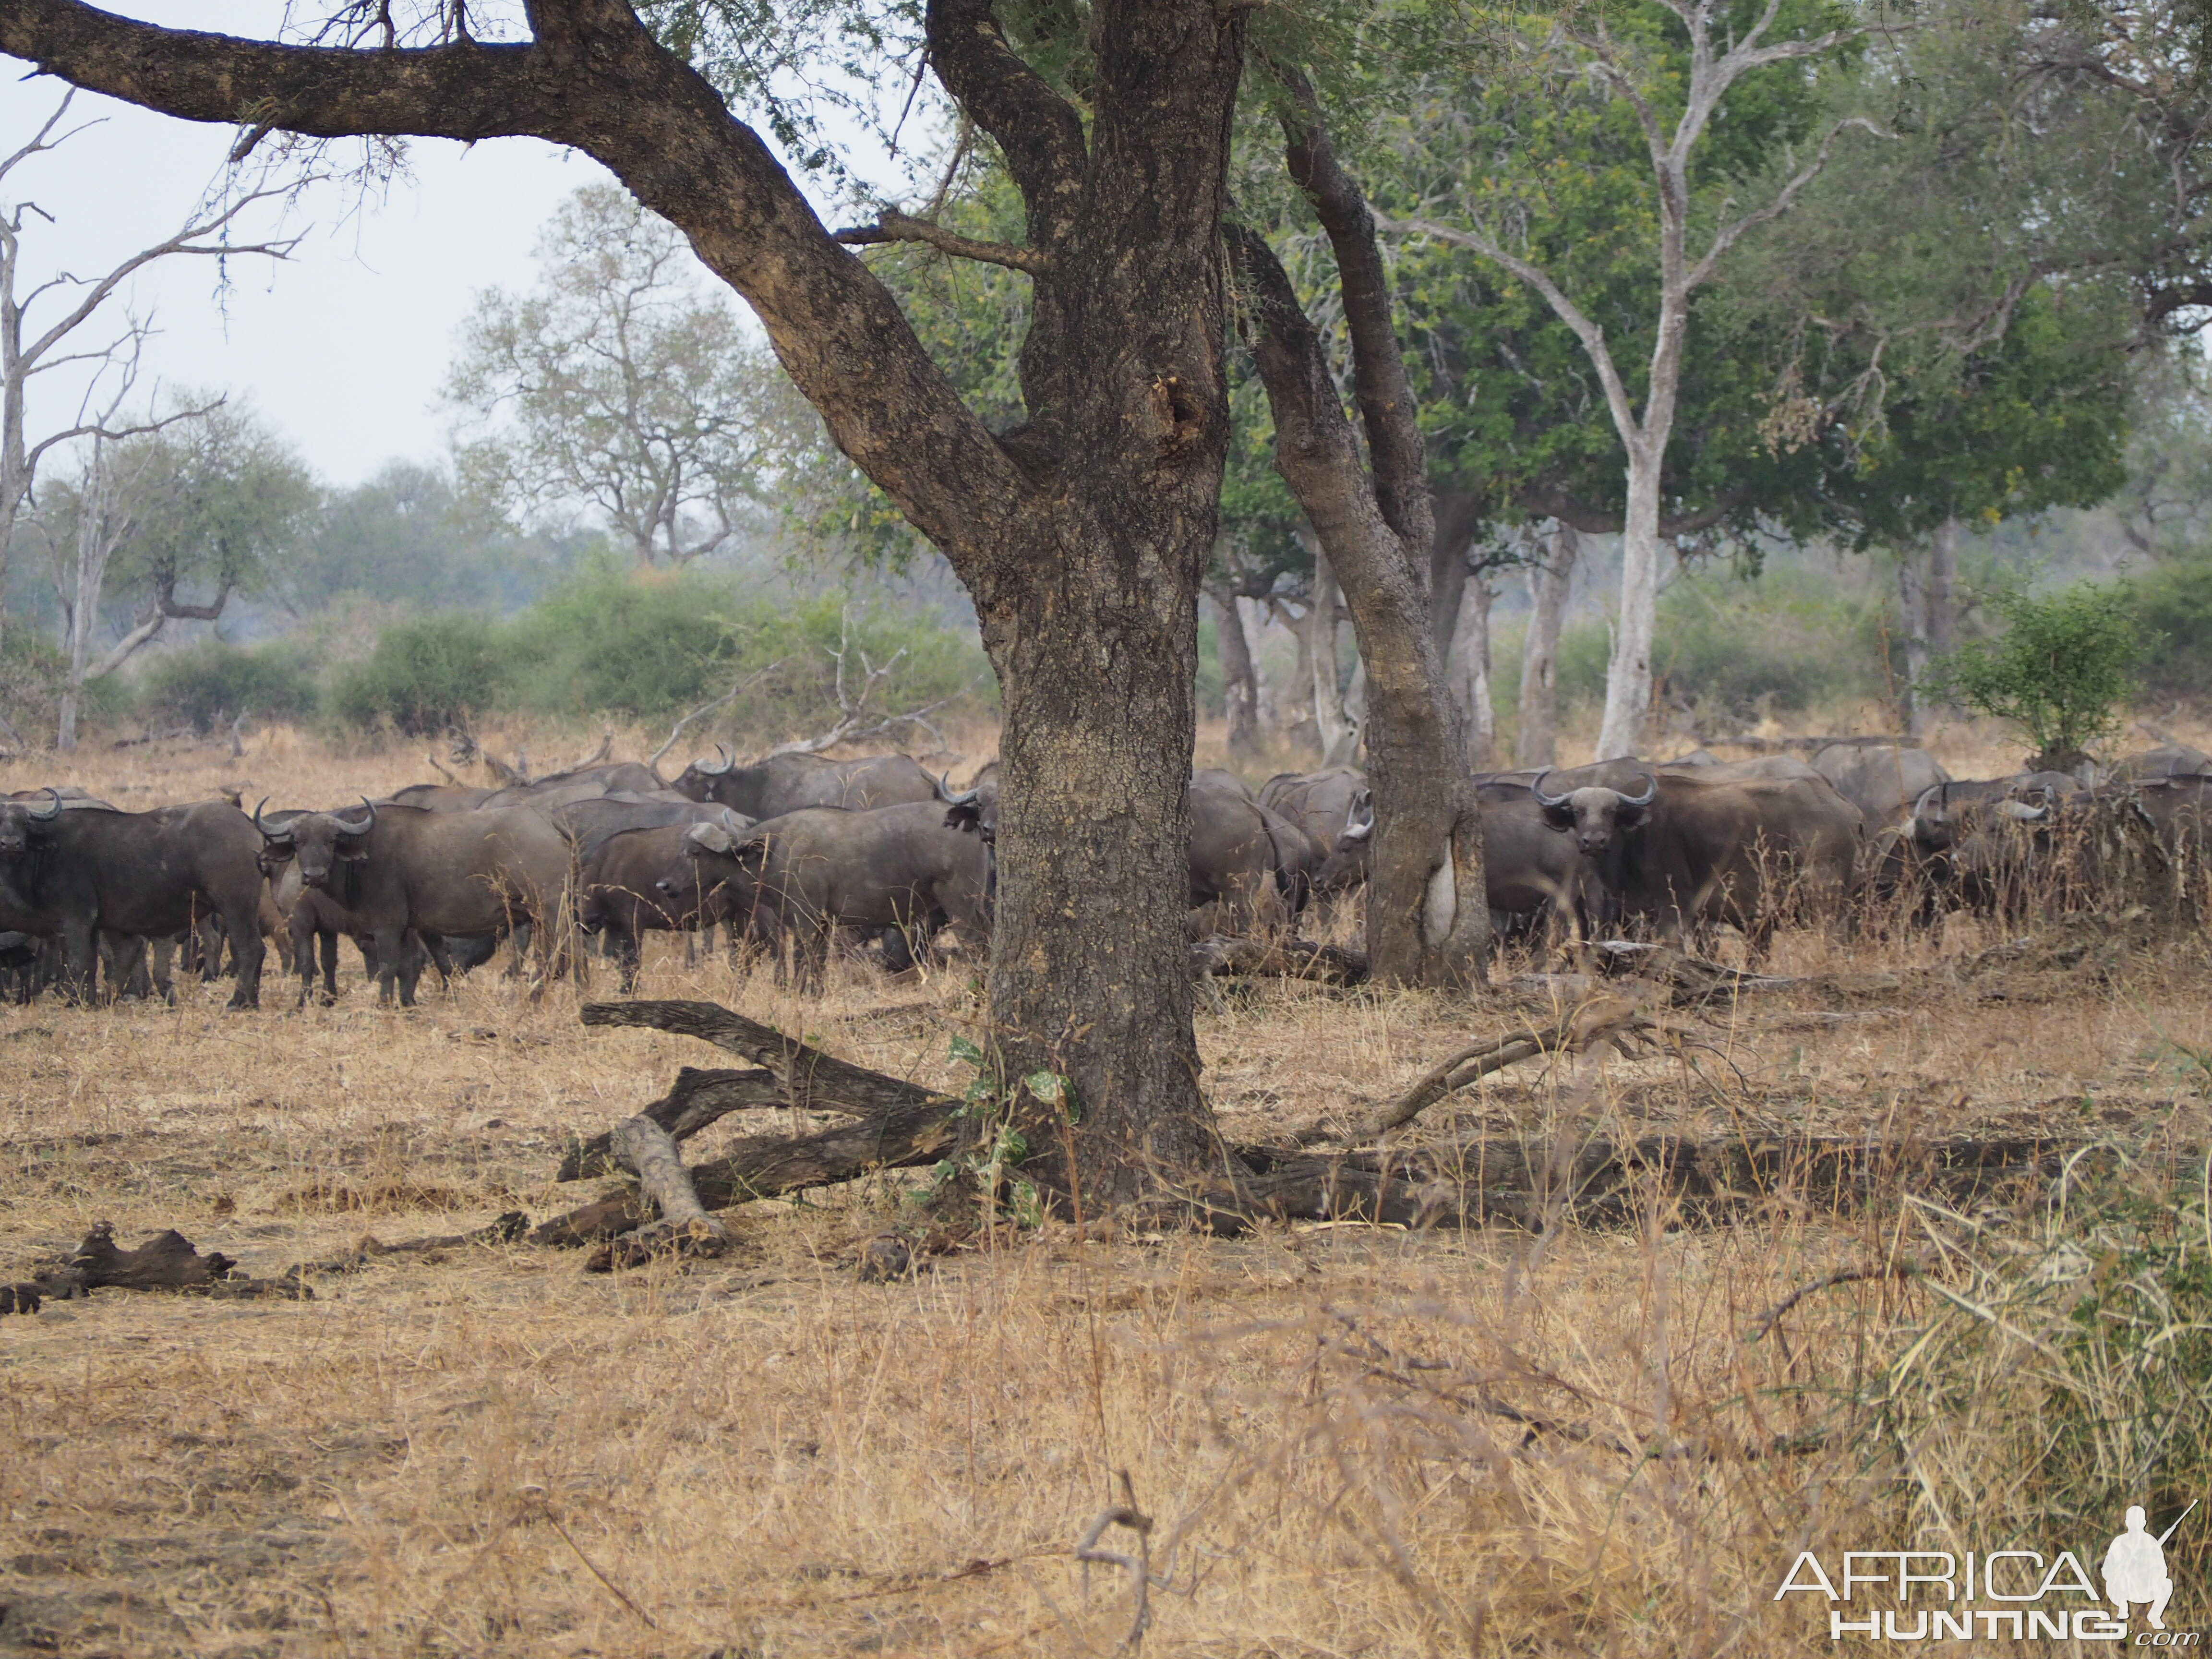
[2135,1567]
[2016,1594]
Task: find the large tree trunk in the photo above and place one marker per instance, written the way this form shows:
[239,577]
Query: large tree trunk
[1426,921]
[1635,624]
[1090,976]
[1470,673]
[1331,722]
[1240,681]
[1536,741]
[1926,597]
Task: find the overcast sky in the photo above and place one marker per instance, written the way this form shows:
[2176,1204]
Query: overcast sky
[343,348]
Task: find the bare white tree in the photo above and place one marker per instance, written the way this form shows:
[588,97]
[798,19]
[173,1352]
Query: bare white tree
[1644,434]
[65,303]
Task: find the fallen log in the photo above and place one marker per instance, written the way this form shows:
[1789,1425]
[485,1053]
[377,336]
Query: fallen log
[166,1262]
[696,1098]
[649,1152]
[1288,958]
[812,1081]
[1600,1182]
[895,1124]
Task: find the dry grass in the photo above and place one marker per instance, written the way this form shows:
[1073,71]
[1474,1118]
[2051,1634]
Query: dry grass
[491,1453]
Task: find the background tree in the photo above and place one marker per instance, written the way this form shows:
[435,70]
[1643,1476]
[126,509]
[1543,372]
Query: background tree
[50,343]
[202,502]
[1373,516]
[1657,72]
[1961,356]
[617,385]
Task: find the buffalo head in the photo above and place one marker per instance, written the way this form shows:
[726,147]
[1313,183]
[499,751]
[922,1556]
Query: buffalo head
[1594,813]
[974,810]
[318,840]
[20,822]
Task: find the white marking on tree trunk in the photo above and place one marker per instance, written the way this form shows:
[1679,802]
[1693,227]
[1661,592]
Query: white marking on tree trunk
[1441,908]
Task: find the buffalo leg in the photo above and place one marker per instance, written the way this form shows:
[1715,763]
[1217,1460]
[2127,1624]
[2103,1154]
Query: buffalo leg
[440,958]
[161,968]
[627,954]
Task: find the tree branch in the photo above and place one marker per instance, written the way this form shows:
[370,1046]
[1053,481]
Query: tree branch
[1726,237]
[892,226]
[1591,335]
[1380,385]
[1036,130]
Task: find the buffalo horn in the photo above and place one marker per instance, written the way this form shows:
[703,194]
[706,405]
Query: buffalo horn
[280,837]
[53,811]
[1650,792]
[953,797]
[346,827]
[723,761]
[1920,806]
[1357,828]
[1536,788]
[2022,813]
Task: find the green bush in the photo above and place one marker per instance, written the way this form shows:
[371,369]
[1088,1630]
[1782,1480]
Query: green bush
[1786,642]
[650,647]
[210,683]
[627,646]
[424,676]
[2061,671]
[2173,613]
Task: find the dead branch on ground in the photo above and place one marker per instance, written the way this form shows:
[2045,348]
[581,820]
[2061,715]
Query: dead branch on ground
[1288,958]
[165,1261]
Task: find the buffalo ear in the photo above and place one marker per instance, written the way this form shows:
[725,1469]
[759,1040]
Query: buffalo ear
[754,854]
[1630,816]
[353,849]
[966,816]
[708,837]
[1560,818]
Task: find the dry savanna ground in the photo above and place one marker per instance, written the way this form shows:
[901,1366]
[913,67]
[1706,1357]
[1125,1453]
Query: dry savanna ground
[1347,1440]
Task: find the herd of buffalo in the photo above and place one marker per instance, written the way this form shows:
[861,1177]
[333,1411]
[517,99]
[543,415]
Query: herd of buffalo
[787,852]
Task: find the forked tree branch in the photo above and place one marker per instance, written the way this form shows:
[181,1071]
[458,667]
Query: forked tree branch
[892,226]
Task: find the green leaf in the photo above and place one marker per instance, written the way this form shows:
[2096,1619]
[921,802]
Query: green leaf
[962,1049]
[1046,1086]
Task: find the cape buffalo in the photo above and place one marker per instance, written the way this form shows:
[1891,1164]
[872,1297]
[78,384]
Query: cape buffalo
[1322,804]
[1708,844]
[1241,853]
[1882,780]
[811,871]
[638,881]
[785,783]
[393,869]
[1532,878]
[82,873]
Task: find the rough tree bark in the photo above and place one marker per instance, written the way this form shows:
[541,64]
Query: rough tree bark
[1333,722]
[1240,680]
[1082,535]
[1927,594]
[1426,921]
[1536,741]
[1470,673]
